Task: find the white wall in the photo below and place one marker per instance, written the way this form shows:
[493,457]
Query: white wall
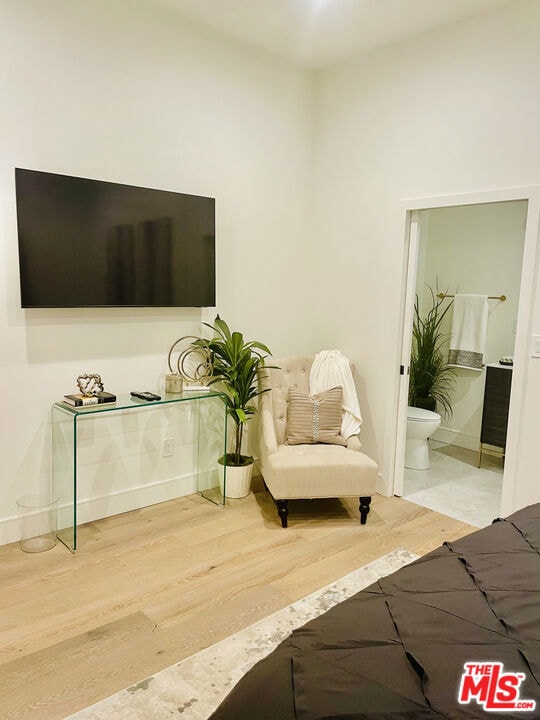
[473,249]
[120,92]
[115,91]
[455,111]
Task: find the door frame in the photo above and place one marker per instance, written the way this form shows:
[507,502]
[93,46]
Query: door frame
[411,208]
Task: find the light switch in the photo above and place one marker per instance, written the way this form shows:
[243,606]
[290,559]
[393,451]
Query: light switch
[535,351]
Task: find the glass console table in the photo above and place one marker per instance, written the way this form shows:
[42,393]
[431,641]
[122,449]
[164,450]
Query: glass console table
[207,414]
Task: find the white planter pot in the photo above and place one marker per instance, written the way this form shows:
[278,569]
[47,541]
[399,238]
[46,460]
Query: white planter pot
[238,480]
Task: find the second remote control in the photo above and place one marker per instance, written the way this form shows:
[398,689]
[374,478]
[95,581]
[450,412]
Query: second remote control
[145,395]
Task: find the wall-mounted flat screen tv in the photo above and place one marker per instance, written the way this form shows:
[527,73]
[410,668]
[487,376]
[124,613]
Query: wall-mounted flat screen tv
[90,243]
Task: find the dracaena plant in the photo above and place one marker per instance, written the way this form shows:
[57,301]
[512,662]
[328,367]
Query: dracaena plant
[235,364]
[431,379]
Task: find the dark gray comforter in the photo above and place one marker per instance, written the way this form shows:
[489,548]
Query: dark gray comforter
[398,649]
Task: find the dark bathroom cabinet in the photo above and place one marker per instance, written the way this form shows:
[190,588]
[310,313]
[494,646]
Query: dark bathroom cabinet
[495,410]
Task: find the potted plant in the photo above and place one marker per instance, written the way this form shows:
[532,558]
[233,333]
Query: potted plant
[431,379]
[235,363]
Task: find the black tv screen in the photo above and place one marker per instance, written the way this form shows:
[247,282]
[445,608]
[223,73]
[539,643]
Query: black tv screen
[89,243]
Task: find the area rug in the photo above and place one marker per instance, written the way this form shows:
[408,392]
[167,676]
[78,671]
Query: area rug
[194,687]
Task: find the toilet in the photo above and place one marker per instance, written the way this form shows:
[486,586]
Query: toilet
[421,424]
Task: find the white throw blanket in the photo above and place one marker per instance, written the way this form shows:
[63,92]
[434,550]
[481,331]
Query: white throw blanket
[469,330]
[330,368]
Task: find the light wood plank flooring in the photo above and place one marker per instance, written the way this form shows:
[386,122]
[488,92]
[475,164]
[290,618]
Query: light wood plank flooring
[151,587]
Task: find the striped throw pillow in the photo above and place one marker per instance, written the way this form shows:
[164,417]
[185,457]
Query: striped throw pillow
[315,418]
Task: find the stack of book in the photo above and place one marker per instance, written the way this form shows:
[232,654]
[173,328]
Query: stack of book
[97,399]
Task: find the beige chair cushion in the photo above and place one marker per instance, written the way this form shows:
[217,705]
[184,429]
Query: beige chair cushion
[318,471]
[316,418]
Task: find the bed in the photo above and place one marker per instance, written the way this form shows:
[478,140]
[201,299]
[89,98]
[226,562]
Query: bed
[455,634]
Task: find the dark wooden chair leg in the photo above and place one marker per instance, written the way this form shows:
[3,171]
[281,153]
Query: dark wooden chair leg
[283,511]
[364,509]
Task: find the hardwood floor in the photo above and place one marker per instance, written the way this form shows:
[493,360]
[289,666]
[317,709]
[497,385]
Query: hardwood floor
[153,586]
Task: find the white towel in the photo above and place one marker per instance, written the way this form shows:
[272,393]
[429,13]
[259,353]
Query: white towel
[469,329]
[330,368]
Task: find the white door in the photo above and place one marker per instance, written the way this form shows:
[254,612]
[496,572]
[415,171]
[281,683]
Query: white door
[408,305]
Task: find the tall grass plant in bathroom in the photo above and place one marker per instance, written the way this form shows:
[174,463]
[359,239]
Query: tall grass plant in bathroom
[431,379]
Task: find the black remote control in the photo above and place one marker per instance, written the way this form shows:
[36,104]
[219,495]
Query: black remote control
[145,395]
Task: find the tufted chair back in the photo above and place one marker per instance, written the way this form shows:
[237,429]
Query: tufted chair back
[293,372]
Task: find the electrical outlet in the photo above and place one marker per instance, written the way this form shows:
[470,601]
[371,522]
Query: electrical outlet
[168,447]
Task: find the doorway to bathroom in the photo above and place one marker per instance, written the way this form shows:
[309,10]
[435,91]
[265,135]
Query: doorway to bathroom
[464,249]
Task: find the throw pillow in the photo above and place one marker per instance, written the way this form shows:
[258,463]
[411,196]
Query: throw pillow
[315,418]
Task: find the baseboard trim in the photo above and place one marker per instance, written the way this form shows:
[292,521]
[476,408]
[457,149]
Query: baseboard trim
[454,437]
[115,503]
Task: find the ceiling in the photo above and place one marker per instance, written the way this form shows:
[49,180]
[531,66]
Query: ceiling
[317,33]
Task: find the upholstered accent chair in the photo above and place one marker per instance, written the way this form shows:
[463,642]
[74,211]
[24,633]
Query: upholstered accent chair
[314,469]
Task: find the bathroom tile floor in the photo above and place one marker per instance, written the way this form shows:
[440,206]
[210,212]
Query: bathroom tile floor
[454,486]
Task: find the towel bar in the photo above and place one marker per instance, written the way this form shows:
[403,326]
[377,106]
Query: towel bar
[501,298]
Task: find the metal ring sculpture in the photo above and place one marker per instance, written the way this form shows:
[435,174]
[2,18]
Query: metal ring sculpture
[194,362]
